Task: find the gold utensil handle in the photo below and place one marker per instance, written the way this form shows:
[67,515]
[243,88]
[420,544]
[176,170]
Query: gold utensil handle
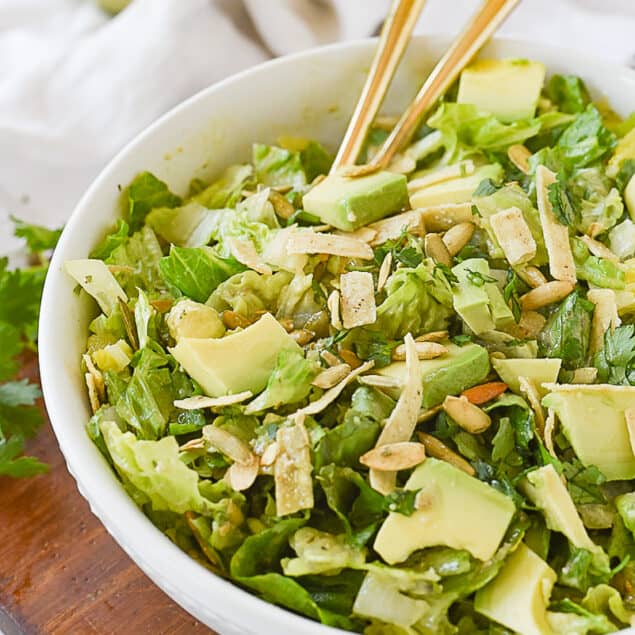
[393,40]
[483,24]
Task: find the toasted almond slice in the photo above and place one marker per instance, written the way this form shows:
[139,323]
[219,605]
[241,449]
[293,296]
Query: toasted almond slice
[332,394]
[270,454]
[532,276]
[484,392]
[392,227]
[439,218]
[435,248]
[605,316]
[598,249]
[586,375]
[561,263]
[426,415]
[402,420]
[333,305]
[629,416]
[384,271]
[302,336]
[458,236]
[433,336]
[307,241]
[439,175]
[513,235]
[365,234]
[529,389]
[380,381]
[354,171]
[350,358]
[281,205]
[241,476]
[331,376]
[425,350]
[595,229]
[357,299]
[329,358]
[519,155]
[246,254]
[550,426]
[97,376]
[93,396]
[549,293]
[194,444]
[394,456]
[292,469]
[233,320]
[229,444]
[439,450]
[468,416]
[200,401]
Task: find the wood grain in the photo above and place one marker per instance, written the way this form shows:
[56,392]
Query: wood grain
[60,571]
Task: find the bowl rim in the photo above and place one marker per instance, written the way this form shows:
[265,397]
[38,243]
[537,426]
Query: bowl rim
[138,536]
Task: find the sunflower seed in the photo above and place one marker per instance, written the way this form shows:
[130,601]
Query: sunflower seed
[435,248]
[425,350]
[393,457]
[545,295]
[439,450]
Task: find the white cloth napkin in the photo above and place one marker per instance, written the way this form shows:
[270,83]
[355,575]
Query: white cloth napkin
[76,85]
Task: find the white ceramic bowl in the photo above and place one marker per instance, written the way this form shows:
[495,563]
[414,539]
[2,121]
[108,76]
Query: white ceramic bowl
[310,95]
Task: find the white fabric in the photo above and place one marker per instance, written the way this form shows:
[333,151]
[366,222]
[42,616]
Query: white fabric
[76,85]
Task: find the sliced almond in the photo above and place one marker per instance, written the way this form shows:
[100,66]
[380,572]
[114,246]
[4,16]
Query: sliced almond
[519,155]
[561,263]
[270,454]
[246,254]
[233,320]
[435,248]
[332,394]
[329,358]
[281,205]
[350,358]
[605,316]
[440,175]
[401,423]
[200,401]
[98,377]
[228,444]
[425,350]
[484,392]
[309,242]
[458,236]
[433,336]
[354,171]
[333,305]
[194,444]
[241,476]
[394,456]
[513,235]
[426,415]
[93,395]
[384,272]
[532,276]
[392,227]
[546,294]
[302,336]
[438,218]
[529,389]
[468,416]
[357,299]
[380,381]
[331,376]
[586,375]
[550,426]
[439,450]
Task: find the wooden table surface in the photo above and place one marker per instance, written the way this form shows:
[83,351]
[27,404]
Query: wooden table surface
[60,571]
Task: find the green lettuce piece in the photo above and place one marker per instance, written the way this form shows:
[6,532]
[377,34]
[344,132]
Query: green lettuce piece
[289,382]
[622,239]
[276,166]
[197,271]
[607,600]
[584,569]
[372,403]
[248,292]
[568,618]
[417,301]
[155,469]
[315,160]
[226,191]
[188,226]
[143,312]
[600,272]
[568,93]
[145,193]
[114,239]
[567,331]
[299,302]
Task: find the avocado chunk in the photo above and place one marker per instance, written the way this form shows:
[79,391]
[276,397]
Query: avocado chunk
[460,512]
[593,420]
[218,364]
[193,319]
[547,491]
[349,203]
[518,596]
[540,371]
[459,190]
[460,368]
[509,89]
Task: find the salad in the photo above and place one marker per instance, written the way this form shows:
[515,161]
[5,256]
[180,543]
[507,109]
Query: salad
[394,401]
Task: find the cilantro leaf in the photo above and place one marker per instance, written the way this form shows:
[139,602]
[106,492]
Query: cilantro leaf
[584,483]
[12,464]
[478,279]
[561,202]
[37,238]
[616,361]
[485,188]
[512,292]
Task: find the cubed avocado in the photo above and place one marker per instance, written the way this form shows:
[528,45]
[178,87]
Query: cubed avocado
[545,489]
[540,371]
[237,362]
[459,512]
[460,368]
[470,297]
[500,311]
[352,202]
[593,419]
[519,595]
[459,190]
[193,319]
[509,89]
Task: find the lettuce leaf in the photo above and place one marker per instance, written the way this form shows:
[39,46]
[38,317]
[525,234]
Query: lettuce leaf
[145,193]
[114,239]
[225,191]
[568,93]
[277,166]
